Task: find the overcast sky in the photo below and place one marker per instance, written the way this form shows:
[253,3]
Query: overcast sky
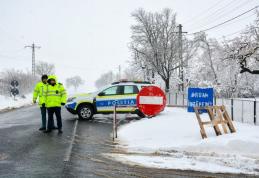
[90,37]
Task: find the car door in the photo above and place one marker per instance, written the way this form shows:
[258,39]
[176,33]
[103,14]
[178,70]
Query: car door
[127,103]
[106,99]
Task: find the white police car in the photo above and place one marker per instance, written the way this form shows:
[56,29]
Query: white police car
[122,93]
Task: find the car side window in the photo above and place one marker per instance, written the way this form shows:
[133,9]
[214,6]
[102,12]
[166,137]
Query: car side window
[120,90]
[131,89]
[110,91]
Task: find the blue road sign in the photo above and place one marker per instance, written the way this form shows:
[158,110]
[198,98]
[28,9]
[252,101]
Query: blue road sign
[199,97]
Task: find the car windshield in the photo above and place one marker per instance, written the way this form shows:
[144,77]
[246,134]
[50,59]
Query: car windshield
[101,89]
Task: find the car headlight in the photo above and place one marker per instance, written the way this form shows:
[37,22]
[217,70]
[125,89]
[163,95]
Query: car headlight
[71,99]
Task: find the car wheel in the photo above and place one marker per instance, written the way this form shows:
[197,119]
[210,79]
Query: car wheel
[85,112]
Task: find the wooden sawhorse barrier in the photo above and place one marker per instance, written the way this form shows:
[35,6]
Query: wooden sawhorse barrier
[218,115]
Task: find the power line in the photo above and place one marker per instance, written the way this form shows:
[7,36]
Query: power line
[224,37]
[234,33]
[233,22]
[229,20]
[223,14]
[202,12]
[213,13]
[11,36]
[236,22]
[235,8]
[12,57]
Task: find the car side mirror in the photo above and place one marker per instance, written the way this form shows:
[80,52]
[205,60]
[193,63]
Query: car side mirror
[101,94]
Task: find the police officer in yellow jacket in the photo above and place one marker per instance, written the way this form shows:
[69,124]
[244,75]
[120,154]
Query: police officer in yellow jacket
[55,97]
[38,93]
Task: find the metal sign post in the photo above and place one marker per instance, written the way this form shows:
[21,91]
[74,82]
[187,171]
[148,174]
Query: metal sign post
[116,121]
[114,130]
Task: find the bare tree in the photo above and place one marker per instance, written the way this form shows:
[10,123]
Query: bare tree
[247,51]
[155,42]
[44,68]
[210,48]
[240,60]
[243,61]
[133,72]
[25,79]
[105,79]
[75,82]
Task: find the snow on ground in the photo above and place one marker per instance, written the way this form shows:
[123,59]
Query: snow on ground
[7,103]
[172,140]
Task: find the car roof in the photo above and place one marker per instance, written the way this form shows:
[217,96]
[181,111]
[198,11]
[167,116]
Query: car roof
[129,83]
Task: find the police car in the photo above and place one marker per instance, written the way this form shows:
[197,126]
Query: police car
[123,93]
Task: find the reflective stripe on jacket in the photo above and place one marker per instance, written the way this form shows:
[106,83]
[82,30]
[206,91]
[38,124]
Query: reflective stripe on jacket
[39,93]
[55,95]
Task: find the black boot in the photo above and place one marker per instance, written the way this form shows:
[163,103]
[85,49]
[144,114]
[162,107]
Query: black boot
[42,128]
[47,131]
[60,131]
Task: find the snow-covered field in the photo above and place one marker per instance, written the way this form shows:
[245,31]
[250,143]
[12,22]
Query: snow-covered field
[172,140]
[7,103]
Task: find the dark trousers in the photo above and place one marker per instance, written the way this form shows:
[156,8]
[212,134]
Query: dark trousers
[43,111]
[57,111]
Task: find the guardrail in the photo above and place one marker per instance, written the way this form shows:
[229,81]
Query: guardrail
[241,109]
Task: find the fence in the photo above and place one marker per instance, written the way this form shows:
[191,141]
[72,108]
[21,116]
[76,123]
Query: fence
[240,109]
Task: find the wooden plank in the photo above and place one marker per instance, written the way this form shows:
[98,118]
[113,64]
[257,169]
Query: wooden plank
[202,130]
[221,119]
[212,118]
[227,118]
[218,115]
[207,123]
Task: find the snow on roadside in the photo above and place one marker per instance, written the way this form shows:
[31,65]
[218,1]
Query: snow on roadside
[7,103]
[172,140]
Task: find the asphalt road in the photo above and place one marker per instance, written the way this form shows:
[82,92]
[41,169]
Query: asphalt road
[27,152]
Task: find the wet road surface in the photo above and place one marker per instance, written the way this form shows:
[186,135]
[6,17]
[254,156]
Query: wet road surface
[27,152]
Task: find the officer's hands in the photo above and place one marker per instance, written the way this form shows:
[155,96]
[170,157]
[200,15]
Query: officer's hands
[63,104]
[43,105]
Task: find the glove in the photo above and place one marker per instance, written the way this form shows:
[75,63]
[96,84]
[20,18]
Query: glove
[63,104]
[43,105]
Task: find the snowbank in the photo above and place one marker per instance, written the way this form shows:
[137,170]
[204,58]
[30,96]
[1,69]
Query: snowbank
[7,103]
[172,140]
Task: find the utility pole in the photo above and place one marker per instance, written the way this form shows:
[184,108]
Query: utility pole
[119,72]
[33,46]
[180,40]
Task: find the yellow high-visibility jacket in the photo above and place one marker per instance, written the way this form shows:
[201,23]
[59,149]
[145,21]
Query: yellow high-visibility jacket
[55,95]
[39,93]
